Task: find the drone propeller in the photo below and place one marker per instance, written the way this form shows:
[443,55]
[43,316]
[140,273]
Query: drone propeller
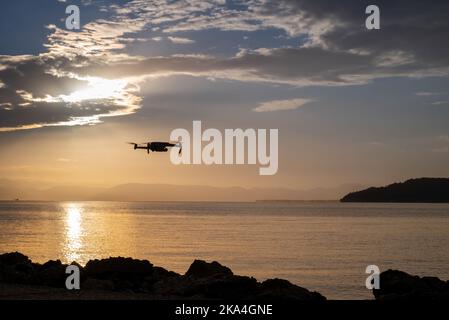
[134,144]
[179,145]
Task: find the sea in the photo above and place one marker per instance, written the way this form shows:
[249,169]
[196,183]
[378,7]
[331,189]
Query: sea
[322,246]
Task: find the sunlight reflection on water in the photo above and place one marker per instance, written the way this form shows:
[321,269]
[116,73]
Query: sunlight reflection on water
[73,231]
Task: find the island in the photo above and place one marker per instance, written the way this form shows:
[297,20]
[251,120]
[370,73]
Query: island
[420,190]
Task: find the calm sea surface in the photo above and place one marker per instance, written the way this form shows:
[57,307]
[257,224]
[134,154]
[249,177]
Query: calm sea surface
[321,246]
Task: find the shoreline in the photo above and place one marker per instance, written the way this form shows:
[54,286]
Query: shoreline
[118,278]
[130,279]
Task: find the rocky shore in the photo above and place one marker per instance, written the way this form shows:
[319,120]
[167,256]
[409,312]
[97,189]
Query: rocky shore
[401,286]
[127,278]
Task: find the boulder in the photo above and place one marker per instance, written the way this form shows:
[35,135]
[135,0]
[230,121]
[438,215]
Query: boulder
[15,268]
[118,267]
[126,274]
[399,285]
[14,258]
[160,276]
[97,284]
[203,280]
[52,274]
[217,286]
[279,289]
[202,269]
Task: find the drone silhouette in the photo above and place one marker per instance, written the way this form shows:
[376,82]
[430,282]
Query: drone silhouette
[156,146]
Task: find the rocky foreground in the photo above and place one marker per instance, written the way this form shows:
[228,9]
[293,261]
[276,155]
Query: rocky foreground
[401,286]
[127,278]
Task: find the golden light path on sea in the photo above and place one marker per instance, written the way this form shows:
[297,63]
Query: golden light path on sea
[73,231]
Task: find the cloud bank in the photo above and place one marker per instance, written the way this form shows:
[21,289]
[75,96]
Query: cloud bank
[87,76]
[280,105]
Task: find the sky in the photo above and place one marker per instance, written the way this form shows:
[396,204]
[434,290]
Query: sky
[352,105]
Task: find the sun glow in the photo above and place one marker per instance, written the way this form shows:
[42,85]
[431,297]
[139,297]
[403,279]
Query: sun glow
[105,97]
[98,89]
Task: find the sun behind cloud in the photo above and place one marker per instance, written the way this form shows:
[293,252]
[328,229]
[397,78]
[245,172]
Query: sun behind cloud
[98,88]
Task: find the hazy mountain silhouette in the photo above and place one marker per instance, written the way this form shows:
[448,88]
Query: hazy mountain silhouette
[163,192]
[424,190]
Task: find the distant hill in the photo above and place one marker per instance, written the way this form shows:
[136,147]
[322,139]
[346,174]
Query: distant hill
[10,189]
[425,190]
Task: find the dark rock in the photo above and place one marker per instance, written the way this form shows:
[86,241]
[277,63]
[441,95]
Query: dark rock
[203,280]
[14,258]
[52,273]
[127,274]
[398,285]
[159,275]
[217,287]
[52,264]
[15,268]
[276,289]
[167,287]
[24,267]
[118,267]
[97,284]
[201,269]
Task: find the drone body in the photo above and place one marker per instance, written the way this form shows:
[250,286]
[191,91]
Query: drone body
[156,146]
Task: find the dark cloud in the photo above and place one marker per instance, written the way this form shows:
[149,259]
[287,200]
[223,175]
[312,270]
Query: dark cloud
[44,113]
[294,66]
[419,28]
[30,75]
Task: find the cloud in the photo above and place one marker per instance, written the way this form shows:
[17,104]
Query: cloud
[405,35]
[279,105]
[179,40]
[437,103]
[338,48]
[394,58]
[444,138]
[442,144]
[294,66]
[87,76]
[34,97]
[427,93]
[40,91]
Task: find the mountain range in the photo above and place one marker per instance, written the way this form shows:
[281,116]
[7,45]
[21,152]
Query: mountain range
[10,189]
